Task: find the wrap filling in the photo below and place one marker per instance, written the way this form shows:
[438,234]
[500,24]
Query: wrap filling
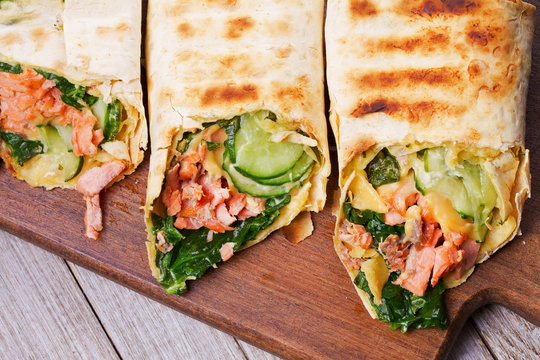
[51,128]
[224,184]
[412,218]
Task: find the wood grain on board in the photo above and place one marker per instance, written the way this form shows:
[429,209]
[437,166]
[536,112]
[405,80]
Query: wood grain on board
[138,327]
[294,300]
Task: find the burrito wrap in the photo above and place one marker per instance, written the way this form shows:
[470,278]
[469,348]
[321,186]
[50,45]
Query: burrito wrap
[90,43]
[431,73]
[212,60]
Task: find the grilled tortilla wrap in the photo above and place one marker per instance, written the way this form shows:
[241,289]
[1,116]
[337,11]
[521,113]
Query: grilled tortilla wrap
[428,108]
[219,73]
[70,94]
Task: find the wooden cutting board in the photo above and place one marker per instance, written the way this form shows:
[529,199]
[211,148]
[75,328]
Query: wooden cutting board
[293,300]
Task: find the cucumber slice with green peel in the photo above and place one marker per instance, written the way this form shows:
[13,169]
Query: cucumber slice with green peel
[489,193]
[482,194]
[109,117]
[434,159]
[51,139]
[249,186]
[424,179]
[443,183]
[454,189]
[259,157]
[99,109]
[65,134]
[69,165]
[303,165]
[468,186]
[113,120]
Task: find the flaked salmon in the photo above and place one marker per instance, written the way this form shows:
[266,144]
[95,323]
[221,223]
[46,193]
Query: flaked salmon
[29,99]
[90,184]
[199,199]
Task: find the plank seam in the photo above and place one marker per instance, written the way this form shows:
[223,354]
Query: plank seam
[241,348]
[93,310]
[482,337]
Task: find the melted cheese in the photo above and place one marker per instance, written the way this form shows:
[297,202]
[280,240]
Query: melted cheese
[361,253]
[442,210]
[376,275]
[363,195]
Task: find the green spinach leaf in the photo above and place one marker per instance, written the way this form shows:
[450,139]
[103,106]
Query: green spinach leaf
[402,309]
[193,254]
[171,234]
[186,140]
[212,145]
[231,128]
[373,222]
[71,94]
[13,69]
[383,169]
[21,149]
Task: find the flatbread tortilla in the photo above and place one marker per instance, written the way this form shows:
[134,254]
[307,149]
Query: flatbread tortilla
[93,44]
[422,74]
[214,60]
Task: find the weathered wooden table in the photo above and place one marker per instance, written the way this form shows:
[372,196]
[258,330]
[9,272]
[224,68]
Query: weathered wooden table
[51,308]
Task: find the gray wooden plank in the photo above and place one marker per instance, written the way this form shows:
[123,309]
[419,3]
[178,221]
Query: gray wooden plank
[144,329]
[507,335]
[43,313]
[254,353]
[469,346]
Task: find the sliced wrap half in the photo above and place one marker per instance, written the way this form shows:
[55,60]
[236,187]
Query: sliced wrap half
[238,131]
[71,112]
[428,108]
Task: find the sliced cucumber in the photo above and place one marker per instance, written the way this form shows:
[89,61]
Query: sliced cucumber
[113,120]
[468,186]
[434,159]
[489,194]
[424,180]
[99,109]
[109,117]
[454,189]
[58,151]
[441,182]
[259,157]
[302,166]
[248,186]
[482,194]
[65,134]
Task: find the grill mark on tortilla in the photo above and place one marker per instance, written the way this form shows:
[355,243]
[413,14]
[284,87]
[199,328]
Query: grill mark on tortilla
[432,8]
[362,8]
[185,30]
[283,52]
[445,76]
[426,42]
[239,64]
[414,112]
[38,35]
[223,3]
[120,30]
[229,93]
[237,27]
[291,95]
[10,39]
[478,35]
